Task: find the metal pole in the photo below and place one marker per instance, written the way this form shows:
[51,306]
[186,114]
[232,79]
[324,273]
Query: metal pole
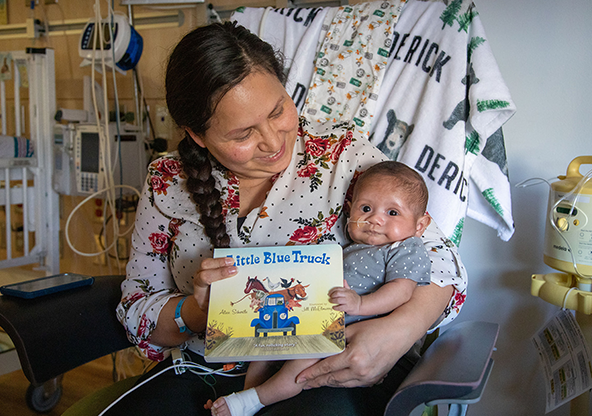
[136,97]
[580,406]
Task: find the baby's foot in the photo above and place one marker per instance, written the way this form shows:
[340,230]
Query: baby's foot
[208,404]
[220,408]
[244,403]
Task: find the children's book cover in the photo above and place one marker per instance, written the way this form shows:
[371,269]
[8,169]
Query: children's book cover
[277,306]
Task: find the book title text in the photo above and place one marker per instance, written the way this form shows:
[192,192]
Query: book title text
[272,258]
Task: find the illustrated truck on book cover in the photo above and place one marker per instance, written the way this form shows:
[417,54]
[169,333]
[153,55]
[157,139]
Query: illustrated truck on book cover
[277,306]
[273,317]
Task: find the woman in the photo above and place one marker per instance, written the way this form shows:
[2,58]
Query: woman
[248,173]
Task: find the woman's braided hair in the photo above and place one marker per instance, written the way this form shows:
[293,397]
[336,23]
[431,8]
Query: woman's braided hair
[203,67]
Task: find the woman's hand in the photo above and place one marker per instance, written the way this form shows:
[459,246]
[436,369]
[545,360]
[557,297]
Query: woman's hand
[195,309]
[374,346]
[211,271]
[363,362]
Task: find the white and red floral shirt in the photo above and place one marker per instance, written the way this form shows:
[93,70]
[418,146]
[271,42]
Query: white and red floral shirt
[304,206]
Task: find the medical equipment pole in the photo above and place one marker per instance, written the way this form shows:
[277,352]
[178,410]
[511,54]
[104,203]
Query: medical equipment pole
[581,404]
[136,98]
[558,289]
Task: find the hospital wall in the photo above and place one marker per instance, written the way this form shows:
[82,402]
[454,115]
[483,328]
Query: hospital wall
[543,50]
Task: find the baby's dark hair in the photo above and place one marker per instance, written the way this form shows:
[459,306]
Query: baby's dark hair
[406,178]
[203,67]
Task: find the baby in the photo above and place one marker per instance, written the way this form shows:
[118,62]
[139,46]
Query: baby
[382,267]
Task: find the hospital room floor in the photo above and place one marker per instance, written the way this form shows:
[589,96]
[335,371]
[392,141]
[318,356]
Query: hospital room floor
[83,380]
[76,384]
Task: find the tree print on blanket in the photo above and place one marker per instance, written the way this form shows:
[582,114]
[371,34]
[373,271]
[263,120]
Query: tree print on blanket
[450,13]
[473,44]
[489,196]
[453,13]
[457,233]
[472,143]
[491,105]
[465,19]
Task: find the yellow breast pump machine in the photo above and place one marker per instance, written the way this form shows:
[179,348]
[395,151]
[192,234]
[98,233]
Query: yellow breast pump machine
[568,248]
[568,241]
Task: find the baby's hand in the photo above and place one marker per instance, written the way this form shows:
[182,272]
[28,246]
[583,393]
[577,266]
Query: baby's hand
[345,300]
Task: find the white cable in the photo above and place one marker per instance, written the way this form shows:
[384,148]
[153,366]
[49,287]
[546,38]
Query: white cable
[115,92]
[143,109]
[566,296]
[535,181]
[105,157]
[78,207]
[204,371]
[105,146]
[577,190]
[105,161]
[526,183]
[117,155]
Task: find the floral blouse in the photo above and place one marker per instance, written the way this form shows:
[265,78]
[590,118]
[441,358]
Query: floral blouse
[304,206]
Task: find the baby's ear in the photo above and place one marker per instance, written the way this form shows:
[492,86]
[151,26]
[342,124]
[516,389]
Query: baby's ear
[422,224]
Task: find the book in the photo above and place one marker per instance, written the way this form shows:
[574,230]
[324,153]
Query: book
[277,306]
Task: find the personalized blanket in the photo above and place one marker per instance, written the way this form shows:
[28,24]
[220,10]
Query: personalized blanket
[441,108]
[420,80]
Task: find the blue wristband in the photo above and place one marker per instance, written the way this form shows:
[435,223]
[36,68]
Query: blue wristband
[179,321]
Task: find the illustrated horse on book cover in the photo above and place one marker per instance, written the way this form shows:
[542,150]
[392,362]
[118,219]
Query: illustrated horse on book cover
[256,291]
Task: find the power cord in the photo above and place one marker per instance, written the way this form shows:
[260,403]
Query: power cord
[572,199]
[181,365]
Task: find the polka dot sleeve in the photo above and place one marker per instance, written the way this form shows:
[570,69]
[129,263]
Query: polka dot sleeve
[447,270]
[149,284]
[408,259]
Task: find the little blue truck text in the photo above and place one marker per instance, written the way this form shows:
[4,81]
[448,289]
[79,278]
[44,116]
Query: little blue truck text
[270,258]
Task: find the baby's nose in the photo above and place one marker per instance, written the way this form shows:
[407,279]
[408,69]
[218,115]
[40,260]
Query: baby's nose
[376,219]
